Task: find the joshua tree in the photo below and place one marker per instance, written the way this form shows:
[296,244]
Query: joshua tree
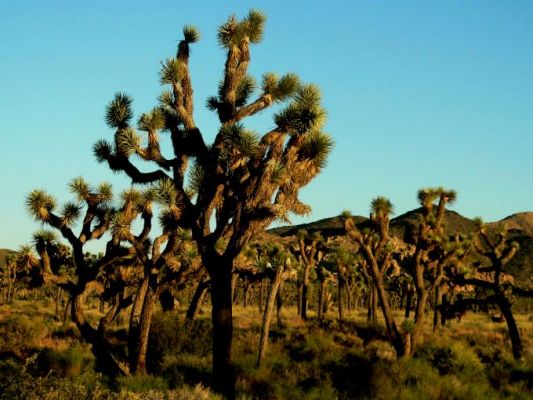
[491,278]
[343,262]
[376,250]
[159,261]
[280,272]
[238,184]
[428,254]
[309,250]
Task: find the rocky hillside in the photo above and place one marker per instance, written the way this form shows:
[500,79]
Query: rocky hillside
[519,224]
[3,254]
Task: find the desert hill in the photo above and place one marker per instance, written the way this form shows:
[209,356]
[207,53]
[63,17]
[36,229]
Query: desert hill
[3,254]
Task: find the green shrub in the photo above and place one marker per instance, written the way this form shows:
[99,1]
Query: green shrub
[66,363]
[140,384]
[19,334]
[168,336]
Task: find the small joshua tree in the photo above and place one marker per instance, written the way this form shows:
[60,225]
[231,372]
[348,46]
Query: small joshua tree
[428,255]
[239,183]
[490,277]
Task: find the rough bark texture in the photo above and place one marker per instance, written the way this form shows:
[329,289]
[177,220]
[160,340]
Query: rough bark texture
[267,315]
[222,317]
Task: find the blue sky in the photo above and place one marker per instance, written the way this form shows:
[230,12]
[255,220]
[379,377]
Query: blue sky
[418,93]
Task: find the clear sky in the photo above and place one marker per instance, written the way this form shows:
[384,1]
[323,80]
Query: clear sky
[419,93]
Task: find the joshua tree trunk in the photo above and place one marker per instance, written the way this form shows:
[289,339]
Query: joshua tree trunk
[420,314]
[299,298]
[57,302]
[339,299]
[144,326]
[133,331]
[222,317]
[197,298]
[373,304]
[305,290]
[443,307]
[436,307]
[261,296]
[279,305]
[267,316]
[234,279]
[514,334]
[408,303]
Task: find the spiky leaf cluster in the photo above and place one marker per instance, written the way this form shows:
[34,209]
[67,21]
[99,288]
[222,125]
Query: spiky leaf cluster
[191,34]
[280,88]
[316,148]
[152,121]
[304,113]
[172,71]
[128,142]
[40,204]
[234,32]
[118,111]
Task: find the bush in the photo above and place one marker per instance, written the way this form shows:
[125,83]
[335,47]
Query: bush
[169,337]
[68,362]
[141,384]
[19,334]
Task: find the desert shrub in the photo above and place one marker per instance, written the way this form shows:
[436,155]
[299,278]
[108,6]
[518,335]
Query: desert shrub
[140,383]
[443,359]
[66,331]
[19,334]
[168,337]
[416,379]
[18,383]
[65,362]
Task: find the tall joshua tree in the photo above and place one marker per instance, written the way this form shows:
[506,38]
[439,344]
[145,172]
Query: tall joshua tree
[239,183]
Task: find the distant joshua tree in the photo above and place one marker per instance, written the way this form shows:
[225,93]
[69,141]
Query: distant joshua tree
[429,253]
[491,278]
[227,191]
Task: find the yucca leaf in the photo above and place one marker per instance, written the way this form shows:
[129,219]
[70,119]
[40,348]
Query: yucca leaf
[381,206]
[44,236]
[104,192]
[172,71]
[80,188]
[191,34]
[118,111]
[253,26]
[246,87]
[226,32]
[152,121]
[39,204]
[102,150]
[70,213]
[316,148]
[269,83]
[212,103]
[127,141]
[196,178]
[166,192]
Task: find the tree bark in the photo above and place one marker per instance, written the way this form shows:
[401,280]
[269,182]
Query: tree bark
[514,333]
[408,303]
[144,327]
[436,307]
[267,316]
[133,330]
[192,311]
[305,291]
[223,379]
[340,287]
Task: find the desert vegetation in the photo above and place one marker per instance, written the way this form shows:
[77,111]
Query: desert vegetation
[192,296]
